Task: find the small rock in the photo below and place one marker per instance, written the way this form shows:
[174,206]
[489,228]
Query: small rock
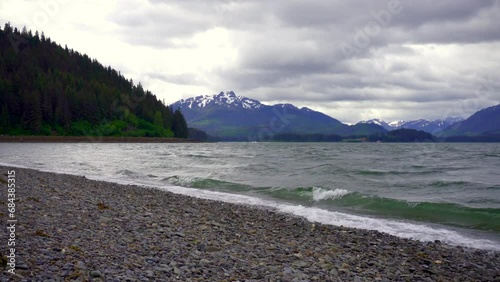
[22,266]
[273,268]
[95,273]
[149,274]
[344,270]
[300,264]
[177,271]
[201,247]
[288,270]
[205,261]
[212,249]
[80,265]
[327,266]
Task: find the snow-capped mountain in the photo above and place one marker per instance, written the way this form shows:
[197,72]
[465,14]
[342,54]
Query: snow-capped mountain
[225,99]
[377,121]
[232,117]
[431,126]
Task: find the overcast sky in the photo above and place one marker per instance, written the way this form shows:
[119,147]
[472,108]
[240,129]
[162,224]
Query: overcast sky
[353,60]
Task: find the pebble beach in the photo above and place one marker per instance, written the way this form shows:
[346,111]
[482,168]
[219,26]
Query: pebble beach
[70,228]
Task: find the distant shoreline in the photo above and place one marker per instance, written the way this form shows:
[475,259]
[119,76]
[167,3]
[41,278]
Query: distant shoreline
[91,139]
[111,139]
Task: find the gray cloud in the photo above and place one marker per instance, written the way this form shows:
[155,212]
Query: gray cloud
[180,79]
[428,58]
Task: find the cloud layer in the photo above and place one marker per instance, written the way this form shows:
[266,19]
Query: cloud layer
[353,60]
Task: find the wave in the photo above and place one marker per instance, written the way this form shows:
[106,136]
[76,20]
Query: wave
[492,155]
[198,156]
[206,183]
[304,195]
[398,228]
[344,200]
[393,172]
[322,194]
[448,183]
[128,173]
[442,213]
[494,187]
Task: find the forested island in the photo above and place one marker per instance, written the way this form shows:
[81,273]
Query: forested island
[399,135]
[47,89]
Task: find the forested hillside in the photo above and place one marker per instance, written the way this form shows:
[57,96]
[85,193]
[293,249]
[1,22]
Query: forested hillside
[46,89]
[403,135]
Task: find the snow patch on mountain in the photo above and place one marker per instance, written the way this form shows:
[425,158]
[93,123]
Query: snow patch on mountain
[396,123]
[286,106]
[374,121]
[432,126]
[226,99]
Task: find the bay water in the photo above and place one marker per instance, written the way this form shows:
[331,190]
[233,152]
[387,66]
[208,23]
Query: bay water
[425,191]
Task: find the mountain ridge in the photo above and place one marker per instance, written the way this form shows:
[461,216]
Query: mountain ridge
[431,126]
[230,99]
[483,122]
[234,117]
[203,101]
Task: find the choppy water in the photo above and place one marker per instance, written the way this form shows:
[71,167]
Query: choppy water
[449,192]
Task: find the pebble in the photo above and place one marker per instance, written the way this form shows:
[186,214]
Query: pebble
[80,265]
[149,274]
[153,235]
[95,273]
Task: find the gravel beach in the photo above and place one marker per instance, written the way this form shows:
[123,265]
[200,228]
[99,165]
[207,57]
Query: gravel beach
[70,228]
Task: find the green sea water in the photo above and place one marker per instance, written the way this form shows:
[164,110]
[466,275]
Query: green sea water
[441,185]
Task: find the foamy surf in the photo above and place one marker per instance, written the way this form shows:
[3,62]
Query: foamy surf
[400,229]
[320,194]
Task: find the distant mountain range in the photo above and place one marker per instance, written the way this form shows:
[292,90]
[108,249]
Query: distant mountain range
[431,126]
[483,122]
[231,117]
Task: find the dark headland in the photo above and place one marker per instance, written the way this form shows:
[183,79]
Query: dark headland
[70,227]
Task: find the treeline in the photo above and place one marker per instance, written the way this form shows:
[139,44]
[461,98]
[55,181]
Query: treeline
[197,134]
[488,137]
[46,89]
[403,135]
[400,135]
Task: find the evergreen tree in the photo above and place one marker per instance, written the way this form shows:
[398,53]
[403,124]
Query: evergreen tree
[32,114]
[158,119]
[44,85]
[179,126]
[4,119]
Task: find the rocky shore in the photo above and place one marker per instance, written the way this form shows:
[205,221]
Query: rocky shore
[70,228]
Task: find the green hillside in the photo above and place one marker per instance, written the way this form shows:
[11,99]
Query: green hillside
[46,89]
